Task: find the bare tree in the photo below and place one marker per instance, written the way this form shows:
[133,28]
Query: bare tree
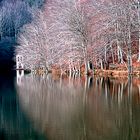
[61,34]
[70,34]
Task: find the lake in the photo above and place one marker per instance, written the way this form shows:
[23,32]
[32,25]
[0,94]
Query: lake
[51,107]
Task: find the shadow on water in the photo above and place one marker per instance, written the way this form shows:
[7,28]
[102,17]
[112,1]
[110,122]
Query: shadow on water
[13,123]
[82,108]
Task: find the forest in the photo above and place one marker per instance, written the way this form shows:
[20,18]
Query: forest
[72,34]
[79,35]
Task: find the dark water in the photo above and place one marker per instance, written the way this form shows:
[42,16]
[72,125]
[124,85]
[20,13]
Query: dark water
[54,108]
[14,124]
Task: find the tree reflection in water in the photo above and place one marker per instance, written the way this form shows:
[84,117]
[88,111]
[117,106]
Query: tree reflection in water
[13,123]
[82,108]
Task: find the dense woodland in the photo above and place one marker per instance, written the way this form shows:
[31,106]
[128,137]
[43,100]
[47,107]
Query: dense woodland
[72,34]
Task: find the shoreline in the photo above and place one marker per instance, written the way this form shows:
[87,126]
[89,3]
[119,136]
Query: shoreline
[116,73]
[96,72]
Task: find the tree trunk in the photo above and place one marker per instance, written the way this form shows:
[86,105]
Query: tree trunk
[139,48]
[129,60]
[70,73]
[86,68]
[129,54]
[119,51]
[120,55]
[139,29]
[88,65]
[79,71]
[113,60]
[70,70]
[101,62]
[105,54]
[129,51]
[85,57]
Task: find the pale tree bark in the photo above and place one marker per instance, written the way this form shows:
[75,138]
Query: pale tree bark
[119,51]
[120,55]
[112,53]
[105,54]
[69,70]
[101,64]
[129,54]
[138,2]
[88,65]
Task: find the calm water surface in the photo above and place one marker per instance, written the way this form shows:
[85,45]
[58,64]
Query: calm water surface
[54,108]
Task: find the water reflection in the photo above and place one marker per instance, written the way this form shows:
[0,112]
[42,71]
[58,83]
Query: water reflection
[19,76]
[13,123]
[85,108]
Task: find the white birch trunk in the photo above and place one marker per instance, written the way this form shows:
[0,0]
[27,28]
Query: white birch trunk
[120,55]
[88,63]
[70,70]
[101,63]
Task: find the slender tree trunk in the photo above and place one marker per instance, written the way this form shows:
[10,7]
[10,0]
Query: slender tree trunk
[120,55]
[96,63]
[73,70]
[139,48]
[129,59]
[105,54]
[86,84]
[86,68]
[139,29]
[84,44]
[88,65]
[70,70]
[85,60]
[129,52]
[113,60]
[101,62]
[79,71]
[76,70]
[119,51]
[61,70]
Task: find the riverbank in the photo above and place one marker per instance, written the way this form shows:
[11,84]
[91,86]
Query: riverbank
[120,71]
[97,72]
[115,73]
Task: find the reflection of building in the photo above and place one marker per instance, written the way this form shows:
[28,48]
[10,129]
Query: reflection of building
[20,74]
[19,62]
